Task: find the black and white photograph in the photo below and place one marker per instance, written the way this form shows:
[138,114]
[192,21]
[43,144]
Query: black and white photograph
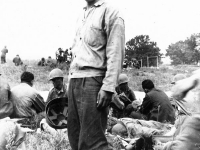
[99,75]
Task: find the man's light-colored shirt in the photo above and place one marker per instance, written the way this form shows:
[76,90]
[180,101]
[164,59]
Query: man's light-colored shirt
[98,48]
[27,101]
[4,51]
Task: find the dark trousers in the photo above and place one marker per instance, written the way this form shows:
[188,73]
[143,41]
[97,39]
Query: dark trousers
[86,124]
[3,59]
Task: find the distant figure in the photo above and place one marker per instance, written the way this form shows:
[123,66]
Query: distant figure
[60,55]
[42,62]
[135,63]
[125,63]
[27,100]
[3,55]
[66,53]
[49,61]
[17,60]
[67,56]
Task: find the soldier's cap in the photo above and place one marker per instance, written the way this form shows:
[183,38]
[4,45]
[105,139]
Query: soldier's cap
[178,77]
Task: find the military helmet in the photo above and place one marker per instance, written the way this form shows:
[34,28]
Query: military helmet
[55,73]
[178,77]
[123,78]
[56,112]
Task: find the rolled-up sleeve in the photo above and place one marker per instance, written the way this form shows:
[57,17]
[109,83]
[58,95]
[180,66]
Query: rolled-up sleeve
[115,47]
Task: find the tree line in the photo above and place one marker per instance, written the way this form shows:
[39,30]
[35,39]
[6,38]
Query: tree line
[141,48]
[181,52]
[185,52]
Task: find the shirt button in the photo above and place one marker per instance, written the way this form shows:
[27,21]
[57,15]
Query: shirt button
[80,38]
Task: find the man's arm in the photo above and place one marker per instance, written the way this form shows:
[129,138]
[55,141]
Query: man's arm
[115,31]
[132,96]
[114,53]
[146,105]
[117,102]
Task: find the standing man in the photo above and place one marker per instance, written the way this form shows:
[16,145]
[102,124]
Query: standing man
[98,53]
[3,55]
[59,55]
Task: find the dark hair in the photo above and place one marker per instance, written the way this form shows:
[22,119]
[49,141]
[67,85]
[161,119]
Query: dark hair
[27,77]
[147,84]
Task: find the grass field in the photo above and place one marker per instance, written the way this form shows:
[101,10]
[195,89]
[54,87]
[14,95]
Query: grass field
[161,76]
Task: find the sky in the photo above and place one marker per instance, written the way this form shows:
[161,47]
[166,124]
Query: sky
[37,28]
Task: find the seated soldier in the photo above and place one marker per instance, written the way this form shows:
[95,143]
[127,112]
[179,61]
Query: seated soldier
[155,106]
[42,62]
[49,61]
[17,60]
[187,135]
[59,88]
[6,106]
[123,98]
[27,101]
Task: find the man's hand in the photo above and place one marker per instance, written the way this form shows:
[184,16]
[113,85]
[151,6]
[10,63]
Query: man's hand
[124,98]
[136,105]
[103,99]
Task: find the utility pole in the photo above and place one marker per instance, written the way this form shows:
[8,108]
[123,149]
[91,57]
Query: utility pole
[157,61]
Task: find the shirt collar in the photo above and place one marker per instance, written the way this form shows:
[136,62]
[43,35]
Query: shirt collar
[98,3]
[60,91]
